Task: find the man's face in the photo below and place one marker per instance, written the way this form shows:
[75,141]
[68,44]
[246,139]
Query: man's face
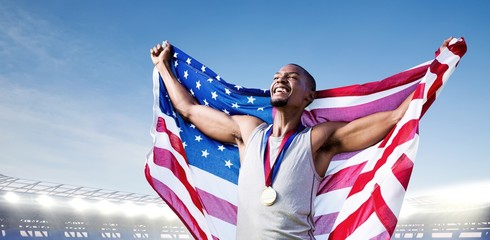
[289,87]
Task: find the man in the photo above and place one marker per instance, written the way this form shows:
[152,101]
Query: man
[278,204]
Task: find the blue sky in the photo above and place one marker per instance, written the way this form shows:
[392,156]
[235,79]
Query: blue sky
[75,76]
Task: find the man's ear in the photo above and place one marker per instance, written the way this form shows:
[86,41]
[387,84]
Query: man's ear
[310,97]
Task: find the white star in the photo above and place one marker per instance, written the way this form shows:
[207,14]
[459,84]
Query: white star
[214,95]
[184,144]
[260,109]
[186,74]
[226,111]
[228,163]
[198,138]
[192,92]
[205,153]
[238,87]
[235,105]
[210,80]
[180,130]
[265,90]
[174,114]
[251,99]
[218,77]
[203,68]
[221,148]
[206,102]
[192,126]
[176,63]
[188,61]
[227,91]
[198,85]
[175,55]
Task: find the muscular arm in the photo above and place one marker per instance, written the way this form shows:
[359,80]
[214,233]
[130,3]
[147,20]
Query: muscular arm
[366,131]
[215,124]
[331,138]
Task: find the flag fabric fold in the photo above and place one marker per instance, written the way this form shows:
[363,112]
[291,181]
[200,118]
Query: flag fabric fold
[362,193]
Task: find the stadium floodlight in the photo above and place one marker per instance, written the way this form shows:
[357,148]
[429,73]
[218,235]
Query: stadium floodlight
[45,200]
[408,210]
[106,207]
[11,197]
[130,209]
[465,196]
[79,204]
[153,211]
[169,214]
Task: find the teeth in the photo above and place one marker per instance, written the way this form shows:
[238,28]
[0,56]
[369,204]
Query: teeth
[280,89]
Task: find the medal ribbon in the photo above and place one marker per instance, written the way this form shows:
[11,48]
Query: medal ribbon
[285,143]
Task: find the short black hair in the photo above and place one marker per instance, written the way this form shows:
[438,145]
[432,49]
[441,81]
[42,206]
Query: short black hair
[310,78]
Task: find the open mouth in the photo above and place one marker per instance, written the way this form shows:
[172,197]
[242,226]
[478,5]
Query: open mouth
[281,89]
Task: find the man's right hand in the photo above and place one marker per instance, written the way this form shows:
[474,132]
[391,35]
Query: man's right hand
[161,54]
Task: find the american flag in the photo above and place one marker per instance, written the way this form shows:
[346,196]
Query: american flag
[363,191]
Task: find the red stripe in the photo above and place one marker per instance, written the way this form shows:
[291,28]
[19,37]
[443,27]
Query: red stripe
[175,140]
[341,179]
[382,236]
[218,207]
[353,221]
[178,207]
[427,104]
[324,223]
[402,170]
[417,94]
[383,211]
[407,131]
[165,158]
[375,204]
[439,69]
[349,113]
[459,48]
[373,87]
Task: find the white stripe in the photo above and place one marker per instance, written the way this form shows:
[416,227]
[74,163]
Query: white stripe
[429,80]
[324,202]
[166,176]
[322,236]
[354,201]
[222,229]
[422,64]
[393,193]
[162,141]
[372,227]
[450,59]
[335,166]
[170,123]
[347,101]
[156,93]
[215,185]
[359,158]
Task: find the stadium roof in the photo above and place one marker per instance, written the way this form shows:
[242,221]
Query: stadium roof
[11,184]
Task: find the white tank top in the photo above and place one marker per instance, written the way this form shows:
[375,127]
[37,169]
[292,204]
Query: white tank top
[296,184]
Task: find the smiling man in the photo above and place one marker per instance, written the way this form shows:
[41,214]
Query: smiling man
[282,164]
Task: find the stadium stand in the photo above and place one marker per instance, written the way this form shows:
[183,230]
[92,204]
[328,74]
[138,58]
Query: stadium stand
[40,210]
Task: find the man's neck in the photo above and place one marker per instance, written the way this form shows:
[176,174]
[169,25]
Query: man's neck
[285,121]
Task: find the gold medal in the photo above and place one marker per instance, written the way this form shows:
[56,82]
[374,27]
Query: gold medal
[268,196]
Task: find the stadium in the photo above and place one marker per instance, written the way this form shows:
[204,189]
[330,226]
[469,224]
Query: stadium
[40,210]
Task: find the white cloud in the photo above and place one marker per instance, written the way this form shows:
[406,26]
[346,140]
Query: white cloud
[30,40]
[61,118]
[54,138]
